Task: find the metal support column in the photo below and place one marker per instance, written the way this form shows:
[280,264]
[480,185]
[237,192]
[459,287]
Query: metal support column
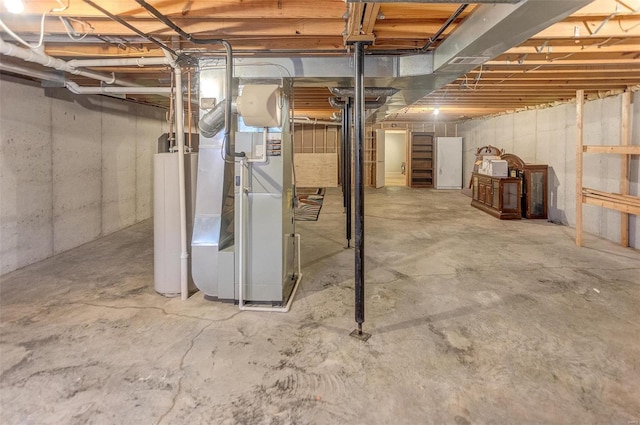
[359,122]
[347,170]
[343,157]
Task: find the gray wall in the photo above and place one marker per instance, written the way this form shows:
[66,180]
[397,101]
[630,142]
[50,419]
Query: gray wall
[548,136]
[72,169]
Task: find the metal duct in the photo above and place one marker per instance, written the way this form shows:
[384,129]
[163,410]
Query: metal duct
[486,33]
[212,122]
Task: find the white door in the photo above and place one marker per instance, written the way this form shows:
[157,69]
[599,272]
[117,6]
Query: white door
[380,158]
[449,163]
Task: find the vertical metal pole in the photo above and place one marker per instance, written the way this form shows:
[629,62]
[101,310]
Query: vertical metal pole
[359,122]
[343,157]
[347,170]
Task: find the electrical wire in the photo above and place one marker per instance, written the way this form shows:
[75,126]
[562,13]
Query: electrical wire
[19,39]
[131,27]
[69,28]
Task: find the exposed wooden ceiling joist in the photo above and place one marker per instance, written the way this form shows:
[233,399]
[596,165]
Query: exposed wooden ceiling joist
[596,49]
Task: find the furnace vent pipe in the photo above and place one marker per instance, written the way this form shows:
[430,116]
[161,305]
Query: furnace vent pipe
[184,255]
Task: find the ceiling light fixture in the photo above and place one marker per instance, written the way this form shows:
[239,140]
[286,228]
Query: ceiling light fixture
[14,6]
[436,111]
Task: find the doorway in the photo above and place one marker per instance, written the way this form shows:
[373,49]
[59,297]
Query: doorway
[395,158]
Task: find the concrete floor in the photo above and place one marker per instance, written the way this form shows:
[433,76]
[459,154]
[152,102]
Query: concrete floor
[474,321]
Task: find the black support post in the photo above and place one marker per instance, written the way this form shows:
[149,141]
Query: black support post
[347,170]
[359,121]
[343,162]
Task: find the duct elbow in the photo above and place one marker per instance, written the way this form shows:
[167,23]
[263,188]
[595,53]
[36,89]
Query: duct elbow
[212,122]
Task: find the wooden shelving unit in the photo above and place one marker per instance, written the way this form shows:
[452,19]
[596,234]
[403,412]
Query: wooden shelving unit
[370,148]
[421,160]
[622,201]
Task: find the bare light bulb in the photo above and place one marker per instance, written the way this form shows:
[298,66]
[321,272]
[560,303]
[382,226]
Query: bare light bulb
[14,6]
[436,111]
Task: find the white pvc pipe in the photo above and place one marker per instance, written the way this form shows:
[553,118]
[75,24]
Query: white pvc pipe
[184,255]
[29,55]
[77,89]
[306,120]
[241,242]
[93,63]
[42,75]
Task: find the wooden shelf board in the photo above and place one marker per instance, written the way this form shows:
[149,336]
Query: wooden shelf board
[614,201]
[624,150]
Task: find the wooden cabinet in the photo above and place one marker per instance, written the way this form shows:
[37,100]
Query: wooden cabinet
[535,191]
[534,185]
[498,196]
[421,160]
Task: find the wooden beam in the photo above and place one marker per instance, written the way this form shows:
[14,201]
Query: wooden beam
[362,18]
[629,60]
[615,201]
[575,48]
[587,27]
[579,143]
[256,28]
[196,9]
[622,150]
[370,17]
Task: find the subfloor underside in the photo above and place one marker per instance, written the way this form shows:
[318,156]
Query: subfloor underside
[473,321]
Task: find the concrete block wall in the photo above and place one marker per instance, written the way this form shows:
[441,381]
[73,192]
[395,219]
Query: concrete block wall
[72,169]
[548,136]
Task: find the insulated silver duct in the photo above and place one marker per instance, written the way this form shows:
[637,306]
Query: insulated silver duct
[368,91]
[213,121]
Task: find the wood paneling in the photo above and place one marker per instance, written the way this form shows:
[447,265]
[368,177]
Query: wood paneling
[316,169]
